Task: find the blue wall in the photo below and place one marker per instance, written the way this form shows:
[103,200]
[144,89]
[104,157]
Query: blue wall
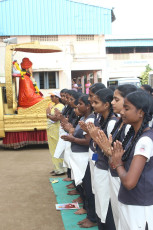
[129,42]
[52,17]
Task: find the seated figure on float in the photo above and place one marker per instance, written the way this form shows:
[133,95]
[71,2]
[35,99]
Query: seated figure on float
[29,93]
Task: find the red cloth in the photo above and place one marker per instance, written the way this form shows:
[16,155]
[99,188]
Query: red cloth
[26,63]
[27,93]
[17,140]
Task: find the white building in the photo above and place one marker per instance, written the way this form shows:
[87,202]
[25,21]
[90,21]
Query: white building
[77,28]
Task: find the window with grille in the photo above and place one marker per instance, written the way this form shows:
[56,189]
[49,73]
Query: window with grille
[85,37]
[47,80]
[44,38]
[124,50]
[3,37]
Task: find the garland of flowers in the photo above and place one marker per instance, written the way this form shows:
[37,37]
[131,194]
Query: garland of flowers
[23,72]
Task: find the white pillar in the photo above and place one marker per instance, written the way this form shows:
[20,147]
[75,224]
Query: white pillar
[95,76]
[65,80]
[82,83]
[88,77]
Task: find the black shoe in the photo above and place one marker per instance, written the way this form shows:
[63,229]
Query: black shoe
[56,174]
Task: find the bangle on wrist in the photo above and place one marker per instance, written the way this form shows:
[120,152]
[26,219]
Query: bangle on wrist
[119,165]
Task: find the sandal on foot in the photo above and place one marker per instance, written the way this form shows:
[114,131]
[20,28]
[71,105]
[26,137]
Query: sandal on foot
[56,174]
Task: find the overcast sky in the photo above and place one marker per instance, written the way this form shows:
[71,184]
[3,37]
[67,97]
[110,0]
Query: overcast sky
[133,17]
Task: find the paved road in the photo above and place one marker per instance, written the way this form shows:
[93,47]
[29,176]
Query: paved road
[27,201]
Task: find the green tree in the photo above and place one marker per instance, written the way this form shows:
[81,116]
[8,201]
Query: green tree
[145,75]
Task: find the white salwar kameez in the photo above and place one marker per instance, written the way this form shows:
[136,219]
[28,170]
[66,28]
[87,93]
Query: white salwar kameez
[102,185]
[67,153]
[60,148]
[102,192]
[114,190]
[78,163]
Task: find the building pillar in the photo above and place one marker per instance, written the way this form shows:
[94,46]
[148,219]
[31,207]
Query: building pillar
[82,83]
[65,80]
[95,77]
[88,77]
[104,75]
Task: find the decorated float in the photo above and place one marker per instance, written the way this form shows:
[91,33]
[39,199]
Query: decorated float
[23,116]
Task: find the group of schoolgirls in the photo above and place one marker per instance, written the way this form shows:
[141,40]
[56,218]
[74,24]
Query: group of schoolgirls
[107,146]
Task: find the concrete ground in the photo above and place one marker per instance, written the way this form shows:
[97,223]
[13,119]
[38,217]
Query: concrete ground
[27,201]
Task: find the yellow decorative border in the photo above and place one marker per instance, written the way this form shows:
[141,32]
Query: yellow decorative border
[8,76]
[2,133]
[39,108]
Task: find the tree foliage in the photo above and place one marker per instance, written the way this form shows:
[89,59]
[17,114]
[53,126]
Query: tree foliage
[145,75]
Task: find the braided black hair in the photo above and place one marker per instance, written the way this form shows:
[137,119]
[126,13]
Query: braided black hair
[67,110]
[144,101]
[105,95]
[105,122]
[75,121]
[116,127]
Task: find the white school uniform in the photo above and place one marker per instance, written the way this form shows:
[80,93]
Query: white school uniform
[67,153]
[102,186]
[60,148]
[134,217]
[92,166]
[79,161]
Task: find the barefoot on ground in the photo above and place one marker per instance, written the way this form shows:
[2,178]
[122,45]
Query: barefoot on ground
[88,224]
[73,192]
[70,186]
[80,211]
[67,179]
[79,200]
[82,221]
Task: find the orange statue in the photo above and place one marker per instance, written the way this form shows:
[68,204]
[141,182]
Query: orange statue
[28,91]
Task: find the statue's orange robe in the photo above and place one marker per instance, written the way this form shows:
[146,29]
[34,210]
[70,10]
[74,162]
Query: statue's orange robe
[27,93]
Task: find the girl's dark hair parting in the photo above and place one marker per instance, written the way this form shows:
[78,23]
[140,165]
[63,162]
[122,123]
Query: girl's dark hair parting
[147,88]
[141,100]
[64,91]
[105,95]
[124,90]
[97,86]
[84,98]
